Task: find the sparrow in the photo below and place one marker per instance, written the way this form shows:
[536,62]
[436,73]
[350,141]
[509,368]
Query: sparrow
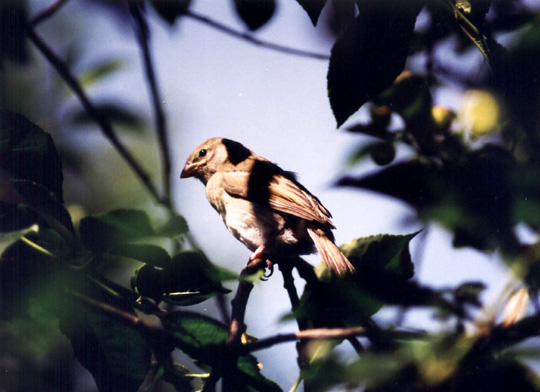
[264,206]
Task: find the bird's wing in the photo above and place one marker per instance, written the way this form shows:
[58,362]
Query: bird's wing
[265,183]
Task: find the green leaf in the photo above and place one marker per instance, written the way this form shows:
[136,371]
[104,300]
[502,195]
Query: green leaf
[28,153]
[187,279]
[384,252]
[255,13]
[117,355]
[115,113]
[100,232]
[9,238]
[370,53]
[313,8]
[170,10]
[51,210]
[203,339]
[149,254]
[175,226]
[100,71]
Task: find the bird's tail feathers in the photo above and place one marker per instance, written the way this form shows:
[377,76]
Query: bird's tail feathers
[330,253]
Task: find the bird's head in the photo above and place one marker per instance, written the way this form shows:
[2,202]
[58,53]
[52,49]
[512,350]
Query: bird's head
[211,156]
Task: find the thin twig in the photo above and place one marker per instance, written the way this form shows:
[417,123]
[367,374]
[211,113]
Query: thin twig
[46,13]
[322,334]
[253,40]
[103,123]
[141,31]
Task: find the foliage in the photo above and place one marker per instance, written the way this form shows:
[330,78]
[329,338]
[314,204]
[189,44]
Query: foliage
[477,177]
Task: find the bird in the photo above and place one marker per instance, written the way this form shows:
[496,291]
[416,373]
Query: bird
[264,206]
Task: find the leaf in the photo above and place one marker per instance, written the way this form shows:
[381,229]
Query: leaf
[9,238]
[100,232]
[472,196]
[13,27]
[170,10]
[115,113]
[28,153]
[150,254]
[517,79]
[16,217]
[116,355]
[175,226]
[47,205]
[384,253]
[313,8]
[370,53]
[187,279]
[203,339]
[255,13]
[100,71]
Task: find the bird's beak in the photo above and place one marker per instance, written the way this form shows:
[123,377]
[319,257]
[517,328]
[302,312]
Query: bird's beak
[190,168]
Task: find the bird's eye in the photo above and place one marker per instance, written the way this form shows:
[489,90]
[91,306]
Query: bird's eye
[202,153]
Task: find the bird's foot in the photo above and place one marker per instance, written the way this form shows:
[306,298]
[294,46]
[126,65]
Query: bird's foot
[270,267]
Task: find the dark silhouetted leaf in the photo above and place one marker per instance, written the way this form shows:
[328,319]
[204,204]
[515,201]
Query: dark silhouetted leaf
[203,339]
[370,53]
[13,25]
[103,231]
[255,13]
[115,113]
[170,10]
[149,254]
[116,354]
[185,280]
[51,210]
[517,78]
[28,153]
[313,8]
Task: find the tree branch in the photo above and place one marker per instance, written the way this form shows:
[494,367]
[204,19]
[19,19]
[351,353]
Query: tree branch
[239,302]
[103,123]
[141,31]
[253,40]
[322,334]
[49,11]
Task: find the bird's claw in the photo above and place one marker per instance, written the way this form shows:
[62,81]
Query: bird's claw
[270,267]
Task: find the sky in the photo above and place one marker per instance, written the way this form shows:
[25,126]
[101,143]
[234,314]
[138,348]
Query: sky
[275,104]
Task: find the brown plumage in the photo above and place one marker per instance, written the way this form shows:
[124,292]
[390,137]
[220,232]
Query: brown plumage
[264,206]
